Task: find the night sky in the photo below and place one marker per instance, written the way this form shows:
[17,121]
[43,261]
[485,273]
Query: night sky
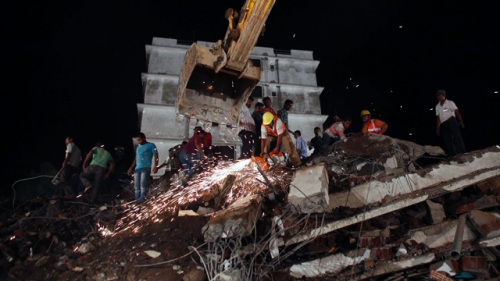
[74,67]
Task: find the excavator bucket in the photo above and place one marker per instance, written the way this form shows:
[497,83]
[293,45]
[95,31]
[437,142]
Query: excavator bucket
[215,97]
[214,83]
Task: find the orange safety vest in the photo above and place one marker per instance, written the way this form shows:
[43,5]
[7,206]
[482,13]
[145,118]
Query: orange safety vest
[372,128]
[274,132]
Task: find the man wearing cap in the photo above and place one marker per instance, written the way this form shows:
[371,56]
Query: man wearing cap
[372,126]
[274,131]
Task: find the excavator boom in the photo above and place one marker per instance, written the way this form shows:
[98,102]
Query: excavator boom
[214,83]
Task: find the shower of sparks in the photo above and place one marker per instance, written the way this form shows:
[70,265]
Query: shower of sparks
[204,185]
[104,230]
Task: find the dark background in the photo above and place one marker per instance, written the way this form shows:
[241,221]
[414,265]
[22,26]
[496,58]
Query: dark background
[74,67]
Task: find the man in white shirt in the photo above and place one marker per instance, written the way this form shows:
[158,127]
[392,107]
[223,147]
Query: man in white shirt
[70,168]
[247,130]
[447,124]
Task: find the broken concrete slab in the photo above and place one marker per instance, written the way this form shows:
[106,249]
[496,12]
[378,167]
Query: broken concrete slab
[451,176]
[437,211]
[480,204]
[439,235]
[309,189]
[394,266]
[238,219]
[488,224]
[436,180]
[330,264]
[384,147]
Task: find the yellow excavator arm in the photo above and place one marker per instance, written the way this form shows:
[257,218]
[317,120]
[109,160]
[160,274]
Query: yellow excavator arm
[214,83]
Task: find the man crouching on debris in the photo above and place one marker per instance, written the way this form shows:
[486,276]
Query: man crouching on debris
[192,154]
[97,167]
[274,131]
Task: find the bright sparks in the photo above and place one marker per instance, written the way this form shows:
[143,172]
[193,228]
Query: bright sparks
[202,188]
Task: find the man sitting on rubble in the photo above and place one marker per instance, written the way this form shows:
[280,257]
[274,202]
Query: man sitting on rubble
[274,134]
[192,154]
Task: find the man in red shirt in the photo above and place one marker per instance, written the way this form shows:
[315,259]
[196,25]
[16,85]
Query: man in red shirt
[191,155]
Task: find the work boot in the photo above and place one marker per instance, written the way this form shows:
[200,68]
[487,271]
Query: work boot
[87,189]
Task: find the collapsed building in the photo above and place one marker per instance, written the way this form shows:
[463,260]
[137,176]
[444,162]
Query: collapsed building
[365,209]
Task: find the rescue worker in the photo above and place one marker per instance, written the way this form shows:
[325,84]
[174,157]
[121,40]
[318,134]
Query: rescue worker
[283,113]
[247,130]
[97,167]
[449,121]
[274,131]
[192,154]
[267,105]
[336,132]
[372,125]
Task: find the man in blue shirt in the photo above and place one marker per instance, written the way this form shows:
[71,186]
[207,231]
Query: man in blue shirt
[144,153]
[300,144]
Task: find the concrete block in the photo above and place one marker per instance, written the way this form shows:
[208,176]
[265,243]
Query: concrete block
[309,189]
[437,211]
[237,220]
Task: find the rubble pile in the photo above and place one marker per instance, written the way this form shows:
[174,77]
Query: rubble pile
[361,210]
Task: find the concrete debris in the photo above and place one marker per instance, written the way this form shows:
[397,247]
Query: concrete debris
[435,275]
[450,176]
[330,264]
[445,268]
[152,253]
[437,211]
[237,220]
[395,266]
[309,189]
[439,235]
[362,209]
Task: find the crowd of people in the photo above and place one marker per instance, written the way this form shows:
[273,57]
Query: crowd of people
[263,132]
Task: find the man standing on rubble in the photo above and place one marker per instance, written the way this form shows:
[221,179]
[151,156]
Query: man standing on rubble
[267,105]
[144,154]
[192,154]
[247,130]
[257,118]
[275,135]
[70,168]
[97,167]
[300,144]
[447,126]
[372,125]
[283,113]
[316,143]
